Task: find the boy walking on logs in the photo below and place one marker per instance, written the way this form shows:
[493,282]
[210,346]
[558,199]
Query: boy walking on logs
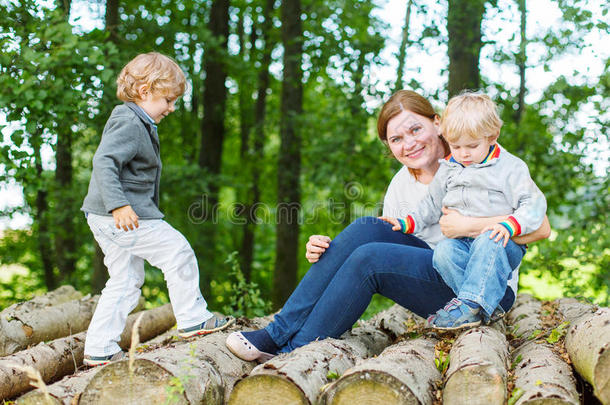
[122,210]
[478,179]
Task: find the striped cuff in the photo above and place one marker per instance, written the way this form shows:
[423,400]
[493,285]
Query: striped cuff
[407,225]
[512,225]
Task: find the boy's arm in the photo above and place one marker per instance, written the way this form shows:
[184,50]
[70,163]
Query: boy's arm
[455,225]
[521,192]
[428,210]
[118,146]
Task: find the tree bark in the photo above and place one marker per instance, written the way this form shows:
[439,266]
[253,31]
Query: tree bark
[63,356]
[403,373]
[21,329]
[524,317]
[588,345]
[521,58]
[543,376]
[60,295]
[297,377]
[64,392]
[212,125]
[464,46]
[478,371]
[289,161]
[200,370]
[402,50]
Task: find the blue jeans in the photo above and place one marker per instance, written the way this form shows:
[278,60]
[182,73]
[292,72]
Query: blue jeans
[477,269]
[366,258]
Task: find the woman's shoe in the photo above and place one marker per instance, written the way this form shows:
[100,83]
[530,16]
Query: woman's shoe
[241,347]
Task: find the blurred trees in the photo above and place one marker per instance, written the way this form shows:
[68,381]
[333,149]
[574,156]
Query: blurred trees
[280,110]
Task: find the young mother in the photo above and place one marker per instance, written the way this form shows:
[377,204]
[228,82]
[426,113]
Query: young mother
[368,257]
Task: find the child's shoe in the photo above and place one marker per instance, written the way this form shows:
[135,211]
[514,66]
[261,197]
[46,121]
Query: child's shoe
[93,361]
[214,324]
[455,315]
[244,345]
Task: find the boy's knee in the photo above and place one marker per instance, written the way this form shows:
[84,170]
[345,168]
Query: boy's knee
[365,221]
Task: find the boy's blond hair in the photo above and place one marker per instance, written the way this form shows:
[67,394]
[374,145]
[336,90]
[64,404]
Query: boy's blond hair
[160,73]
[470,114]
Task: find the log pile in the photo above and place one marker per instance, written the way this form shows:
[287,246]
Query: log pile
[536,355]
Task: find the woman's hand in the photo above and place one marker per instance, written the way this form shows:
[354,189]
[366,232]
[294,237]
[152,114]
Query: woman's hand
[125,217]
[316,245]
[393,221]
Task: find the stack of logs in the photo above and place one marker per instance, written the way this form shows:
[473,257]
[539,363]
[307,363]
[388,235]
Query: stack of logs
[542,352]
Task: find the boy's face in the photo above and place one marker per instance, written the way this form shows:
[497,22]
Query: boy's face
[157,107]
[469,151]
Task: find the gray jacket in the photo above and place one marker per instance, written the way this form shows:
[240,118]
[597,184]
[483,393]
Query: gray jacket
[126,165]
[501,185]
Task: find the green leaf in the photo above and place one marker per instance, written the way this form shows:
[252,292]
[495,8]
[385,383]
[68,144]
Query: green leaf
[515,395]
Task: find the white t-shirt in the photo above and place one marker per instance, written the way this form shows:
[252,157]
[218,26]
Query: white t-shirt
[403,195]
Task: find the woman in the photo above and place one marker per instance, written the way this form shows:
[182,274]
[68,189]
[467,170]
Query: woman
[368,257]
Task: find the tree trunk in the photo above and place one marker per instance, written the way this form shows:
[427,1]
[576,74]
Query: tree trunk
[542,376]
[478,371]
[20,329]
[64,392]
[524,317]
[111,18]
[521,58]
[402,50]
[195,371]
[58,296]
[464,28]
[289,162]
[45,244]
[257,154]
[403,373]
[62,356]
[588,344]
[212,126]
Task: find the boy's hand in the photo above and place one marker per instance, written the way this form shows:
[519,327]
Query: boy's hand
[125,217]
[499,231]
[396,225]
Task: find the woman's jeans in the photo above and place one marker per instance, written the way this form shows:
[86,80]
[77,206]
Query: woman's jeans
[477,269]
[366,258]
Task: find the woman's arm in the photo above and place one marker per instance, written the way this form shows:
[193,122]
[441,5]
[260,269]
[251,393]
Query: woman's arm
[455,225]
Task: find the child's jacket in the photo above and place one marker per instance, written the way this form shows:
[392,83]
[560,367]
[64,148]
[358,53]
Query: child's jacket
[500,185]
[126,166]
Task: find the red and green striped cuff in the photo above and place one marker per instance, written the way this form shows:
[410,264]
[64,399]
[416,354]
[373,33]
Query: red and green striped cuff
[512,225]
[407,225]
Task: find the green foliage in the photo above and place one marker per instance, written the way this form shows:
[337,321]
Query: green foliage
[245,299]
[515,395]
[332,375]
[558,333]
[441,361]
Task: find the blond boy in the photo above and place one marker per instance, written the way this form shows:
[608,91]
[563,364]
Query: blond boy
[122,210]
[479,179]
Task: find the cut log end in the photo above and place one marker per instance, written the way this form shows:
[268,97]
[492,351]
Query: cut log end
[264,389]
[370,388]
[476,384]
[148,384]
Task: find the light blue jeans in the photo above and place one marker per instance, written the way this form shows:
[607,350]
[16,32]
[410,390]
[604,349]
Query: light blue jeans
[367,257]
[477,269]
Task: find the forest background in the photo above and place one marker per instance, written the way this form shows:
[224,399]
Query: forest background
[275,139]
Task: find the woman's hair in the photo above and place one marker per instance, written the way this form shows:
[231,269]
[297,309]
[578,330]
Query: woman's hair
[470,114]
[160,73]
[400,101]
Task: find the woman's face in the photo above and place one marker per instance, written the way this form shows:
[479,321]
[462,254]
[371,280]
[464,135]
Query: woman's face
[414,141]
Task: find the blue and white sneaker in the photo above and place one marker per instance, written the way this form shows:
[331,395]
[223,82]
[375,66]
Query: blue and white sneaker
[496,316]
[214,324]
[94,361]
[454,316]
